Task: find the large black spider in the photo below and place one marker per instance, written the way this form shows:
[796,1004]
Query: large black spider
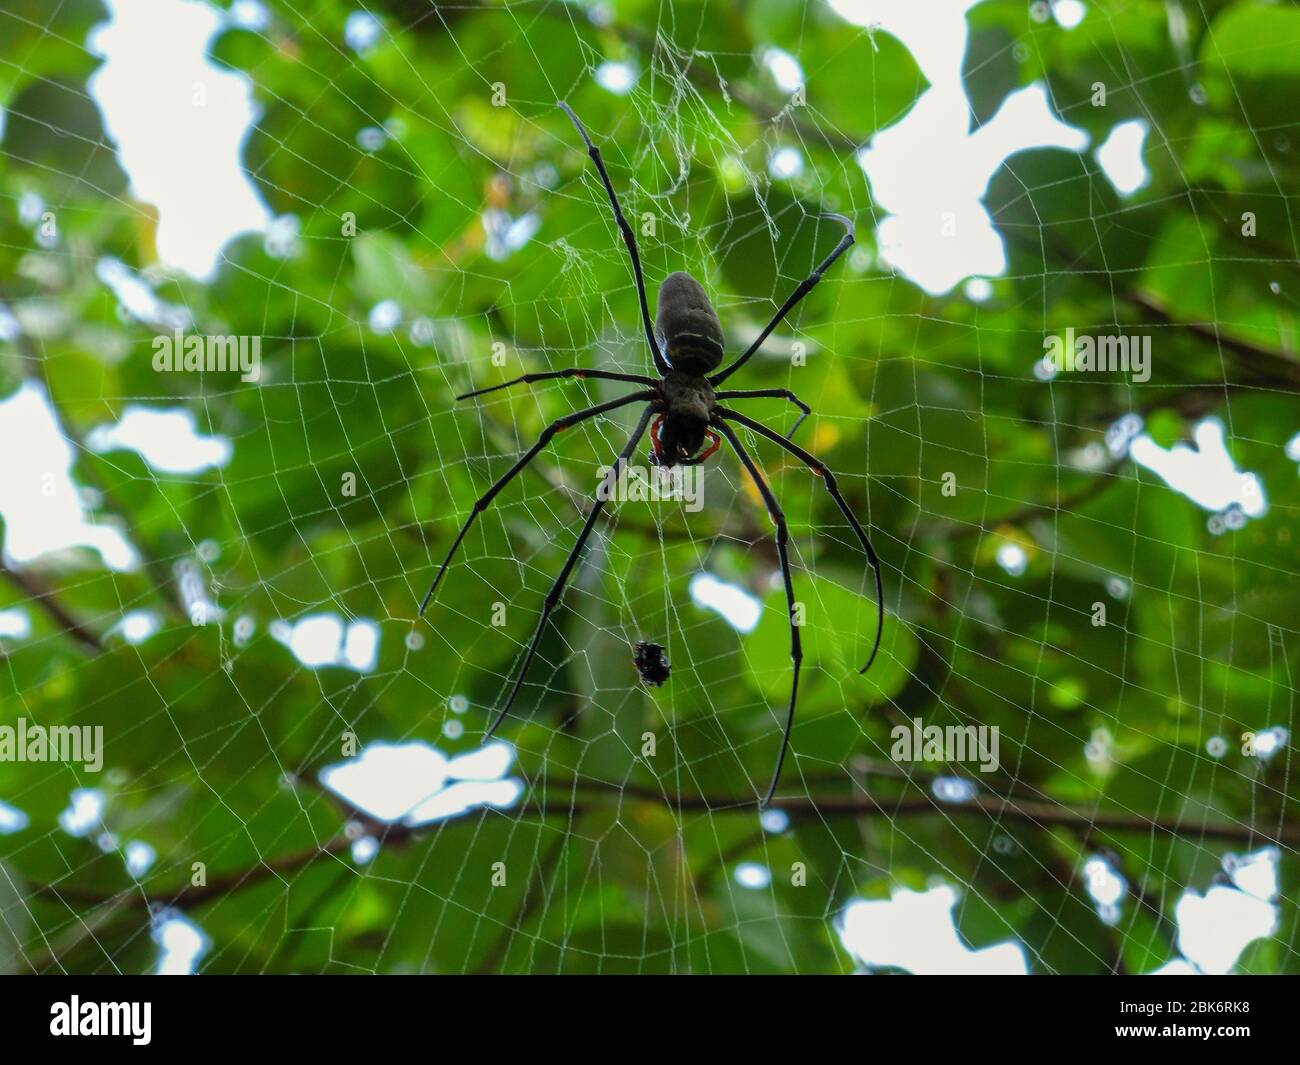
[686,343]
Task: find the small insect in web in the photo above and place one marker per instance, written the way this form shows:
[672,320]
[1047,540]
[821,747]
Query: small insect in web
[651,662]
[686,344]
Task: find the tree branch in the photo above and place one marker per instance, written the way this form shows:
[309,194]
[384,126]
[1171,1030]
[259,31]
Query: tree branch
[47,600]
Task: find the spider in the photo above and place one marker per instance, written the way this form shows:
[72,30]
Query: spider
[686,344]
[651,663]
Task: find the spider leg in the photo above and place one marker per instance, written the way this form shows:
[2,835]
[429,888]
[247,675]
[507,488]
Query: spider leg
[771,393]
[661,363]
[782,536]
[820,468]
[557,589]
[529,378]
[805,286]
[486,498]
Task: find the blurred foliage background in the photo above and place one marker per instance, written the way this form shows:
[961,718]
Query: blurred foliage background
[478,225]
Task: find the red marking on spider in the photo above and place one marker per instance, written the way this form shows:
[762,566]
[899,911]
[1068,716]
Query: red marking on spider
[717,443]
[709,434]
[654,436]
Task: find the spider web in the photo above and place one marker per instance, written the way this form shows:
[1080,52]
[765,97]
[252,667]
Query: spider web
[611,826]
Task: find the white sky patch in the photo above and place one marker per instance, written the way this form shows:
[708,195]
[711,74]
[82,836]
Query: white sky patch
[774,820]
[416,783]
[617,78]
[1106,886]
[40,505]
[1068,13]
[249,15]
[1255,874]
[325,640]
[1012,558]
[182,152]
[752,875]
[364,849]
[1120,157]
[139,858]
[506,235]
[914,931]
[784,68]
[735,604]
[1269,741]
[1176,967]
[194,593]
[384,316]
[371,138]
[362,31]
[15,624]
[168,440]
[1293,448]
[1205,474]
[281,240]
[1214,928]
[1121,434]
[137,297]
[978,289]
[84,813]
[12,819]
[785,163]
[929,170]
[137,626]
[954,789]
[181,944]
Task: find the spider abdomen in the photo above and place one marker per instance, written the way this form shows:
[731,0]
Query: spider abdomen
[687,326]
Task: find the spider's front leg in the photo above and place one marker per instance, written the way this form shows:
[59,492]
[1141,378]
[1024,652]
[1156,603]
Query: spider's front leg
[805,286]
[629,238]
[551,375]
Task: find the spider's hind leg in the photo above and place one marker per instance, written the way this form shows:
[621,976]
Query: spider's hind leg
[485,500]
[557,589]
[828,479]
[782,536]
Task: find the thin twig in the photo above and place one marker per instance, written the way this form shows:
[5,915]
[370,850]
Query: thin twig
[47,600]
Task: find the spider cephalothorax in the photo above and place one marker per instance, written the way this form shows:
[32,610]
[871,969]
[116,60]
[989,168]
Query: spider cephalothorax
[680,431]
[687,345]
